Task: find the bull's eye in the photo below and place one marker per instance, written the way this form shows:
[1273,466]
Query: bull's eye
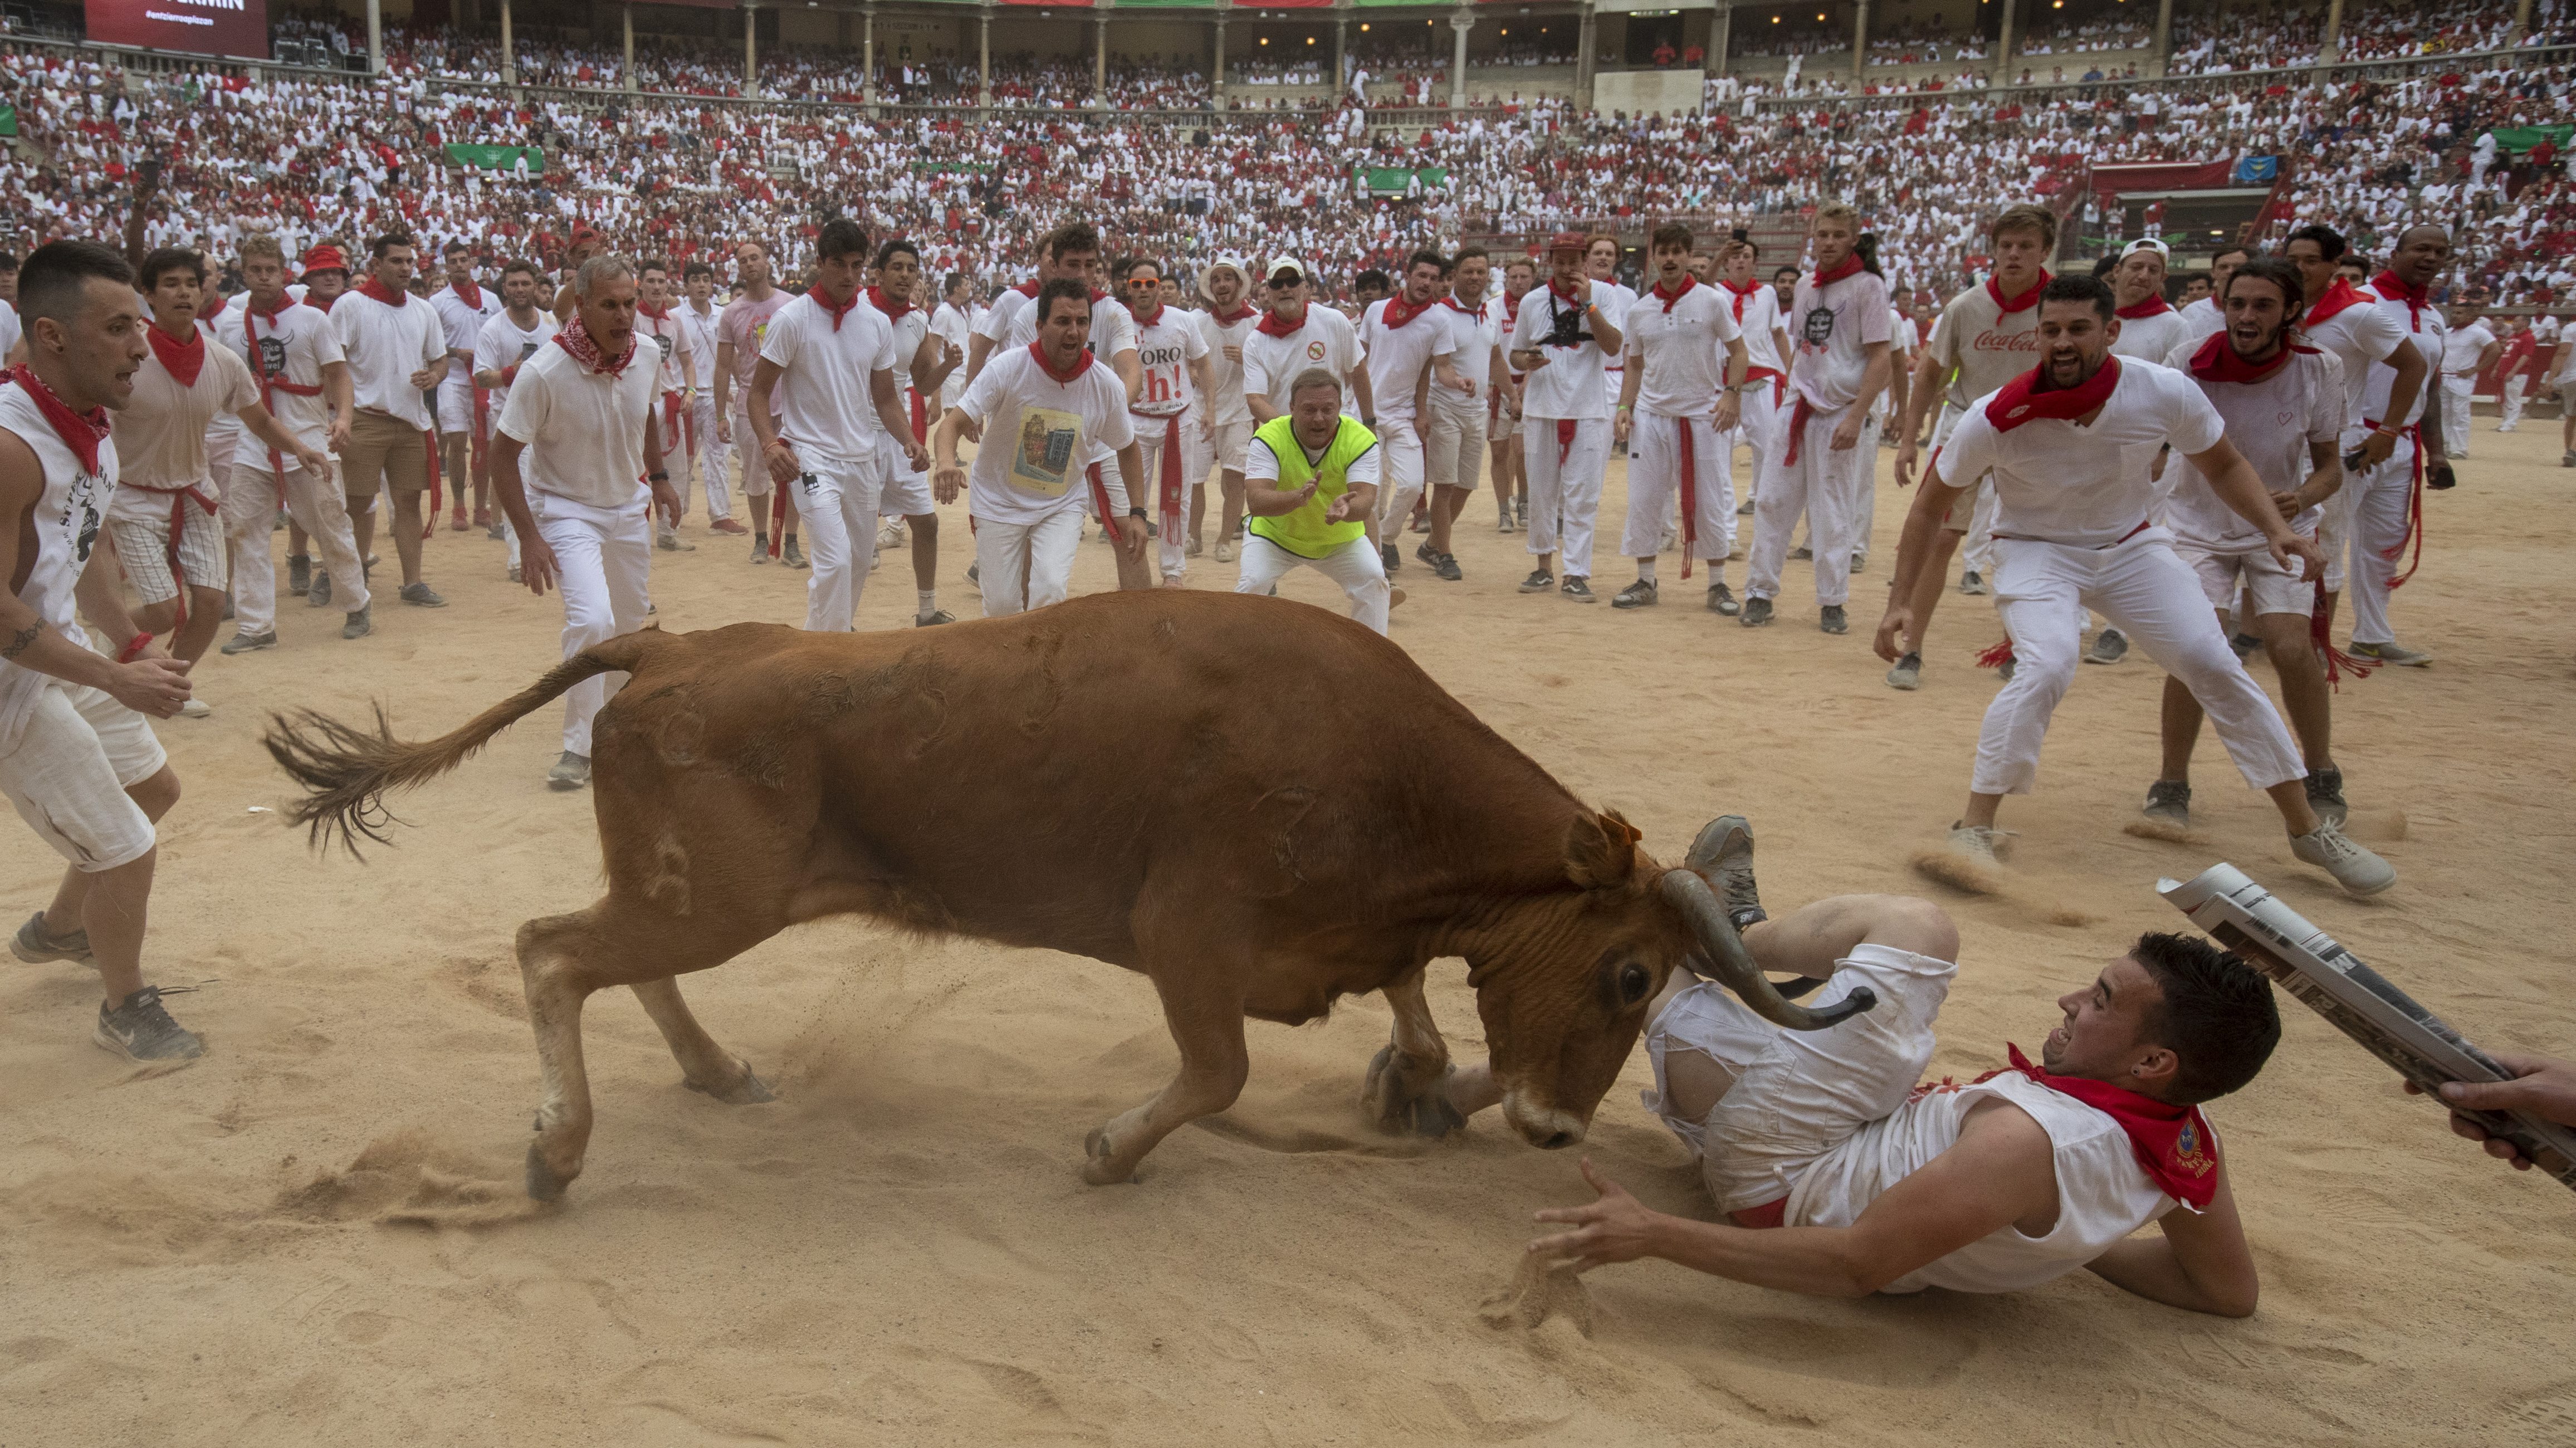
[1633,983]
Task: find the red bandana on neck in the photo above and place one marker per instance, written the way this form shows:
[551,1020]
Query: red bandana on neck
[2218,361]
[893,310]
[1399,311]
[321,303]
[575,339]
[2172,1142]
[183,360]
[2415,298]
[1668,298]
[835,310]
[1228,319]
[81,432]
[2152,306]
[1511,309]
[385,294]
[2339,296]
[663,315]
[252,308]
[1143,320]
[1081,363]
[1029,288]
[2022,400]
[2022,303]
[1850,266]
[1741,292]
[1271,326]
[1562,295]
[469,294]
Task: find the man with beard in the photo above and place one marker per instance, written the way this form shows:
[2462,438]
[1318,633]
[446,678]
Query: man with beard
[922,365]
[464,417]
[396,349]
[509,342]
[1461,402]
[1405,339]
[2347,321]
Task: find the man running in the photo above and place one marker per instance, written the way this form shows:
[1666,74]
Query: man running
[1311,478]
[579,468]
[464,416]
[1224,416]
[2348,322]
[1677,399]
[922,365]
[509,342]
[1404,339]
[657,321]
[1562,344]
[739,334]
[396,348]
[2074,530]
[1171,436]
[1462,401]
[2386,514]
[76,755]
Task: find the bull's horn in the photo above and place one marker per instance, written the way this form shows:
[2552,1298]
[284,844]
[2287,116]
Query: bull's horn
[1734,965]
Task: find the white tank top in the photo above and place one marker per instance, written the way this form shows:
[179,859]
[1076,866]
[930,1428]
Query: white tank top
[66,522]
[2103,1194]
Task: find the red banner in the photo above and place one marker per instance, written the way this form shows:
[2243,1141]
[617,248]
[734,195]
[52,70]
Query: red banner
[207,27]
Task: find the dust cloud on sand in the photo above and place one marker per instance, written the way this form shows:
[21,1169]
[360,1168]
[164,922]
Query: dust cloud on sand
[898,1250]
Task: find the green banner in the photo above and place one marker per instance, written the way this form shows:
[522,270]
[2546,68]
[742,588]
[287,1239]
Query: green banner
[1394,180]
[2518,139]
[951,168]
[8,119]
[497,158]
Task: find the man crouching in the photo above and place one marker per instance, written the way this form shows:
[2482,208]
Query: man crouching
[1868,1182]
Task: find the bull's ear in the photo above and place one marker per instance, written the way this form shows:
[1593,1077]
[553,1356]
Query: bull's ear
[1600,850]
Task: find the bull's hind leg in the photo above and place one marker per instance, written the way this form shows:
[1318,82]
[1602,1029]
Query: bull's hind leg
[1204,1008]
[1404,1091]
[704,1065]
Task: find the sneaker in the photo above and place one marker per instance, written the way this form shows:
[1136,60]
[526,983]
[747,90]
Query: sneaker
[2358,870]
[1421,523]
[456,523]
[1724,854]
[1801,555]
[1721,599]
[1665,545]
[759,547]
[1196,547]
[792,556]
[421,595]
[1577,589]
[1908,673]
[2005,670]
[228,608]
[1757,613]
[1978,844]
[2244,645]
[2169,800]
[1520,514]
[1225,550]
[876,559]
[141,1030]
[1830,619]
[2109,647]
[2325,796]
[1860,563]
[34,946]
[1423,552]
[196,709]
[514,573]
[727,525]
[1445,567]
[359,624]
[1537,582]
[2394,654]
[570,772]
[1392,556]
[299,573]
[891,535]
[2568,461]
[670,543]
[1503,524]
[319,595]
[1972,583]
[1640,594]
[975,575]
[483,518]
[242,643]
[1746,510]
[934,618]
[494,530]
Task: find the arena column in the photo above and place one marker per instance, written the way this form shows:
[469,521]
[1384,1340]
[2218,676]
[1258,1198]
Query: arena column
[2004,47]
[867,54]
[1860,41]
[375,37]
[1460,24]
[1341,53]
[626,13]
[2164,37]
[1583,33]
[509,53]
[1216,85]
[1725,38]
[2330,43]
[1100,62]
[984,59]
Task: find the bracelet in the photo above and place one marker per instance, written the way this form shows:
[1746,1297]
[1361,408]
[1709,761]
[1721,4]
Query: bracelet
[1627,407]
[658,475]
[1135,512]
[2384,430]
[134,648]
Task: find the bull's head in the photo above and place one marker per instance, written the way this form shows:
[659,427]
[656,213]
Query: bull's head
[1564,998]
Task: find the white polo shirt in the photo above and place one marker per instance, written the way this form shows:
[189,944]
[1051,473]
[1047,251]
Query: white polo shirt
[384,346]
[1680,344]
[1040,432]
[2084,486]
[1398,356]
[2360,336]
[1570,385]
[1324,339]
[825,405]
[584,430]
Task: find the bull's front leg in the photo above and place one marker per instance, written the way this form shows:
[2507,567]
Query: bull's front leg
[1407,1083]
[1206,1017]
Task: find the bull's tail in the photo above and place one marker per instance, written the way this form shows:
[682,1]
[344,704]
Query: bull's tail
[346,771]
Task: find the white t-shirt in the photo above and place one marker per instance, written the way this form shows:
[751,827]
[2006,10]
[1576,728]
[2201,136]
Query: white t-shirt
[1325,339]
[1225,375]
[1831,330]
[1983,346]
[668,336]
[1614,299]
[1756,311]
[294,347]
[1112,331]
[463,322]
[2424,327]
[1570,384]
[1682,348]
[1040,432]
[584,430]
[994,325]
[2084,486]
[701,332]
[1399,356]
[384,346]
[504,344]
[1165,348]
[2153,337]
[2462,349]
[826,406]
[2272,422]
[161,434]
[2359,336]
[9,328]
[2202,318]
[1474,332]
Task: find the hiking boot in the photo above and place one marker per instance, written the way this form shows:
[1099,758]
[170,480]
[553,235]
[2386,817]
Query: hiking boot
[1908,673]
[2325,796]
[2244,645]
[1392,556]
[791,556]
[2109,647]
[359,624]
[2394,654]
[1225,550]
[2169,800]
[1445,567]
[1830,619]
[1757,613]
[319,595]
[570,772]
[32,945]
[299,573]
[759,547]
[242,643]
[140,1030]
[1577,589]
[421,595]
[1972,583]
[1723,854]
[1640,594]
[2356,869]
[934,618]
[1721,599]
[1978,844]
[1801,555]
[1537,582]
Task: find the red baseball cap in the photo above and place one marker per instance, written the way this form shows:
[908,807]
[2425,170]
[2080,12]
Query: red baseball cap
[325,257]
[1568,241]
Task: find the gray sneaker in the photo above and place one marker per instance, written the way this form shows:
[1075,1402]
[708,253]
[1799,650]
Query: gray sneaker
[1831,619]
[570,772]
[242,643]
[1577,589]
[1972,583]
[299,573]
[792,556]
[1745,510]
[141,1030]
[2396,655]
[2356,869]
[1908,673]
[2109,647]
[1801,555]
[32,945]
[2169,800]
[934,618]
[670,543]
[421,595]
[1640,594]
[1860,563]
[359,624]
[1537,582]
[2325,796]
[319,595]
[1721,599]
[1757,613]
[1724,854]
[1445,567]
[760,548]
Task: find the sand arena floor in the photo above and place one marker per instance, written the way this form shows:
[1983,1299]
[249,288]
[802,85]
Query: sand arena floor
[898,1251]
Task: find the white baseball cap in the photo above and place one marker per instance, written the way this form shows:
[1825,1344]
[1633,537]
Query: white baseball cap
[1280,264]
[1227,260]
[2148,243]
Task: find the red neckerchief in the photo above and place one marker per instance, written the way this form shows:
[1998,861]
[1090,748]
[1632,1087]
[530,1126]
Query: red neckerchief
[2152,306]
[663,315]
[1450,300]
[81,432]
[385,294]
[2218,361]
[576,340]
[1142,320]
[1688,282]
[1849,266]
[893,311]
[2172,1142]
[1564,296]
[468,293]
[182,360]
[2022,303]
[322,304]
[1398,311]
[2022,399]
[1082,361]
[2339,296]
[2415,298]
[1029,288]
[1228,319]
[251,309]
[1511,310]
[1271,326]
[1741,293]
[823,299]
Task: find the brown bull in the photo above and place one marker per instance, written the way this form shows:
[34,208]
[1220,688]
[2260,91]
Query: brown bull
[1260,806]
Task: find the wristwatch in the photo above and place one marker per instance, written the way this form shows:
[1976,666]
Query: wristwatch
[1135,512]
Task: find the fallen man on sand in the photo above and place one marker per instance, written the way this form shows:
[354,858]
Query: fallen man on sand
[1868,1182]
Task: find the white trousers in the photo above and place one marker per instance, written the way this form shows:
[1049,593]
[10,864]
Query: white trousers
[1565,485]
[1399,476]
[2382,499]
[1979,508]
[1765,409]
[2141,585]
[1355,566]
[605,558]
[1655,481]
[1818,485]
[837,498]
[1860,500]
[2457,398]
[2509,402]
[1041,551]
[249,511]
[713,458]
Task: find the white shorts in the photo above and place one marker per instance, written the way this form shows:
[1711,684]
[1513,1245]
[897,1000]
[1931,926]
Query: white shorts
[68,776]
[1230,442]
[144,549]
[907,493]
[1453,447]
[2274,589]
[455,407]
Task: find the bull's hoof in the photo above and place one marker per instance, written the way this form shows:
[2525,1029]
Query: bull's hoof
[1099,1166]
[1399,1102]
[747,1090]
[544,1184]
